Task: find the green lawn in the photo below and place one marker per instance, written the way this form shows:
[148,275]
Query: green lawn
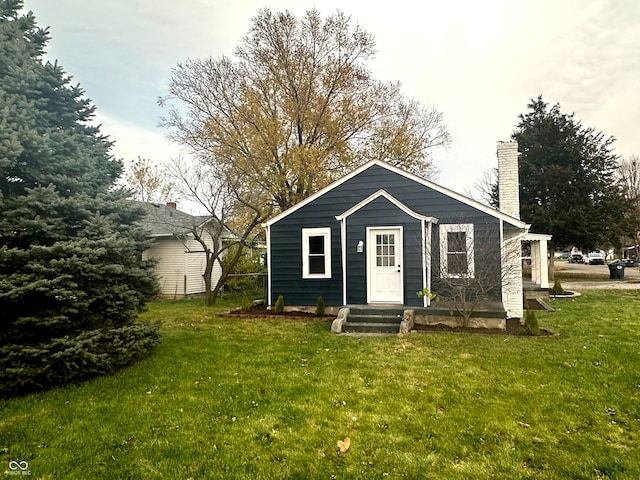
[223,398]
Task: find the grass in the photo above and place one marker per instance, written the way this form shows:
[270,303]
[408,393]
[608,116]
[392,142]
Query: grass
[229,398]
[581,277]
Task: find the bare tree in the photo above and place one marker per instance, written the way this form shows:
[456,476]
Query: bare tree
[487,187]
[148,182]
[296,108]
[231,221]
[475,267]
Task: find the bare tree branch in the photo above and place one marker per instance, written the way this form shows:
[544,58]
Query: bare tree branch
[473,266]
[297,107]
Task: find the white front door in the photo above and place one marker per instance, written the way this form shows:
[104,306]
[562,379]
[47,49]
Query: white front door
[384,265]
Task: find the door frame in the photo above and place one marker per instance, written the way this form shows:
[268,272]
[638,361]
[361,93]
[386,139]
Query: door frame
[370,256]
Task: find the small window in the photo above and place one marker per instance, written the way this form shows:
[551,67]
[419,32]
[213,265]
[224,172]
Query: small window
[385,250]
[456,250]
[316,253]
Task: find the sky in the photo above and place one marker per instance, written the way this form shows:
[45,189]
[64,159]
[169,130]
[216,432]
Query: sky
[478,62]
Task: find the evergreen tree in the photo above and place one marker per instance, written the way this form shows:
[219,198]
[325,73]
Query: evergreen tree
[567,182]
[72,278]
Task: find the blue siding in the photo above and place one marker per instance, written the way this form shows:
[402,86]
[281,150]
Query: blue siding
[286,266]
[383,213]
[486,257]
[286,236]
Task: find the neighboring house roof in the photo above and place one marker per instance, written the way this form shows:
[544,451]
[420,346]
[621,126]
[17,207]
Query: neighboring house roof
[516,222]
[164,221]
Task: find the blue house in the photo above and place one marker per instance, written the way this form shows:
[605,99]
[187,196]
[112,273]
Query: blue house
[380,235]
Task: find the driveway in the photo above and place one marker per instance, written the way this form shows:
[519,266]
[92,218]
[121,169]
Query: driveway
[631,280]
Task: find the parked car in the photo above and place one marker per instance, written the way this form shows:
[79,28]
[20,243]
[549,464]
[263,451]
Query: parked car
[629,262]
[563,256]
[576,258]
[595,258]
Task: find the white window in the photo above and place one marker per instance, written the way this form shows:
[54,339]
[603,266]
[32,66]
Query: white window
[456,250]
[316,252]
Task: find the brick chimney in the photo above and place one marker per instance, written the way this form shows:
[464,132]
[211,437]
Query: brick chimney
[173,205]
[508,182]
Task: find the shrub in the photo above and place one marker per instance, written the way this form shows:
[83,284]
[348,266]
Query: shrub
[425,292]
[531,326]
[72,359]
[279,306]
[557,288]
[247,275]
[245,303]
[320,307]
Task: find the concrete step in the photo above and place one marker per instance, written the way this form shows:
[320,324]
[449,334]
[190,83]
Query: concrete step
[393,311]
[370,327]
[373,318]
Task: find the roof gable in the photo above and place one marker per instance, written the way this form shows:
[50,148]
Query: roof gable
[422,181]
[390,198]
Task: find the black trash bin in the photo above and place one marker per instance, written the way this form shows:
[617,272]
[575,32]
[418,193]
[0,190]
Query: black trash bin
[616,270]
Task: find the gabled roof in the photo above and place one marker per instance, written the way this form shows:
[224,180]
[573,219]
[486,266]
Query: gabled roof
[390,198]
[164,221]
[427,183]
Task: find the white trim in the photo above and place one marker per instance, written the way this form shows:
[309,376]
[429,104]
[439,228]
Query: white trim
[539,261]
[268,266]
[343,242]
[503,267]
[429,260]
[324,232]
[392,199]
[427,229]
[470,253]
[400,258]
[468,201]
[423,227]
[532,237]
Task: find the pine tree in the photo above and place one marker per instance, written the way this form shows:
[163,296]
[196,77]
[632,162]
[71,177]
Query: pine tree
[72,278]
[567,182]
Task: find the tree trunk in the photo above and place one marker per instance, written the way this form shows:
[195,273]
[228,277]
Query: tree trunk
[212,292]
[209,295]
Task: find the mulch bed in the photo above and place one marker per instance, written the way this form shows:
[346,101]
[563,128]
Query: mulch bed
[260,312]
[514,328]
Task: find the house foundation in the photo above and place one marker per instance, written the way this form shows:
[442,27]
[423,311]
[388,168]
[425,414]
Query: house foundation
[401,319]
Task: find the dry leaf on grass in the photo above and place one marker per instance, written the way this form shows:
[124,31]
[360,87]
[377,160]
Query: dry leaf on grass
[344,445]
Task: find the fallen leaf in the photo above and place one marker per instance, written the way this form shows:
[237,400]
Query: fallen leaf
[344,445]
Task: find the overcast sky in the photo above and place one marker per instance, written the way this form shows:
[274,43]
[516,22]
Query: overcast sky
[478,62]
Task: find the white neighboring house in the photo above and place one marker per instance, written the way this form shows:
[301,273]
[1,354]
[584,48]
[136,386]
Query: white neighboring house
[181,258]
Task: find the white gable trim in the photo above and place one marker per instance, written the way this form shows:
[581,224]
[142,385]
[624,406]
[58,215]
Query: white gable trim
[537,237]
[392,199]
[427,183]
[319,193]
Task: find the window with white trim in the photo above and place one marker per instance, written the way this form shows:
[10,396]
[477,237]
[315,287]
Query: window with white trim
[316,252]
[456,250]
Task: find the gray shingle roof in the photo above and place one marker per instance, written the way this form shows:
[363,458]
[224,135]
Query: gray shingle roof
[163,221]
